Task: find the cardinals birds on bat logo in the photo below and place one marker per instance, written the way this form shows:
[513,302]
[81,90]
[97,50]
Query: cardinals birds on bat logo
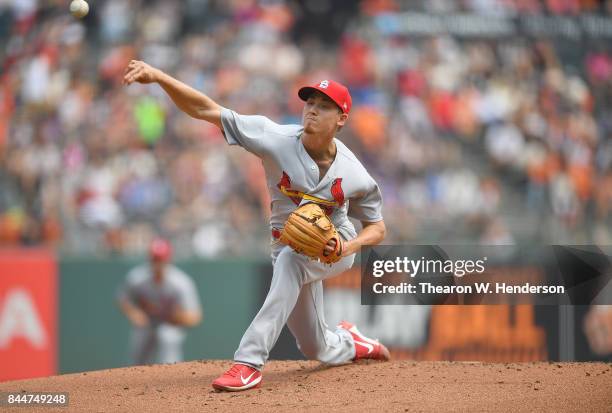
[337,193]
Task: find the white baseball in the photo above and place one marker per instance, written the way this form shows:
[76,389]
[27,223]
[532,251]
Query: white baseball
[79,8]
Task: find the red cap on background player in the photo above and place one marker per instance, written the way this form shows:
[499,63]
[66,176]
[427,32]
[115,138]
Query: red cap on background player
[333,90]
[160,250]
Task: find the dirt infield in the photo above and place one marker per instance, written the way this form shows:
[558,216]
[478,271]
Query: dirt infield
[365,386]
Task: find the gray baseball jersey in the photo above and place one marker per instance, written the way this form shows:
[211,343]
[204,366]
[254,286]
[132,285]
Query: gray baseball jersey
[296,292]
[290,169]
[160,341]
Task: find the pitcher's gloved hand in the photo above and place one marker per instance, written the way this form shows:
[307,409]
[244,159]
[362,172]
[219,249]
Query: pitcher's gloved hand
[309,231]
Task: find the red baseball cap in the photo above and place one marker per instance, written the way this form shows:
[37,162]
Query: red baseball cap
[160,250]
[333,90]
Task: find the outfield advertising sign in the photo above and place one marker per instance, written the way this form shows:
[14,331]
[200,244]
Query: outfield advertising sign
[28,314]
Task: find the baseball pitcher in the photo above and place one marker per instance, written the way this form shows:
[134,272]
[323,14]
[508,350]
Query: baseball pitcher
[315,183]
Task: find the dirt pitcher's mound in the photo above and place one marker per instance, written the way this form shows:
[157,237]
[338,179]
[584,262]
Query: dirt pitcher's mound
[364,386]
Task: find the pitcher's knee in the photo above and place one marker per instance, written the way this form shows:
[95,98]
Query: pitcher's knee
[289,257]
[290,264]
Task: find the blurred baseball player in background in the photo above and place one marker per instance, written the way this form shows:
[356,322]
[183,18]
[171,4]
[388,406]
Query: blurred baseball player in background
[303,164]
[159,300]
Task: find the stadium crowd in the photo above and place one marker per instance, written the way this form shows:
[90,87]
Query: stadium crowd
[469,138]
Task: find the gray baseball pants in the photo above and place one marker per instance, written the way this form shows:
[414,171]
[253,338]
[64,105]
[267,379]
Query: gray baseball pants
[296,298]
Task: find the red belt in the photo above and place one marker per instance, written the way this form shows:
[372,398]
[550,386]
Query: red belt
[276,233]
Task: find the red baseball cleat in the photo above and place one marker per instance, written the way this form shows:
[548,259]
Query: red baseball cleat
[365,348]
[239,377]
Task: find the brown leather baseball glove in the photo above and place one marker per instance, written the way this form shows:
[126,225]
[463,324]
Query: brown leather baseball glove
[308,230]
